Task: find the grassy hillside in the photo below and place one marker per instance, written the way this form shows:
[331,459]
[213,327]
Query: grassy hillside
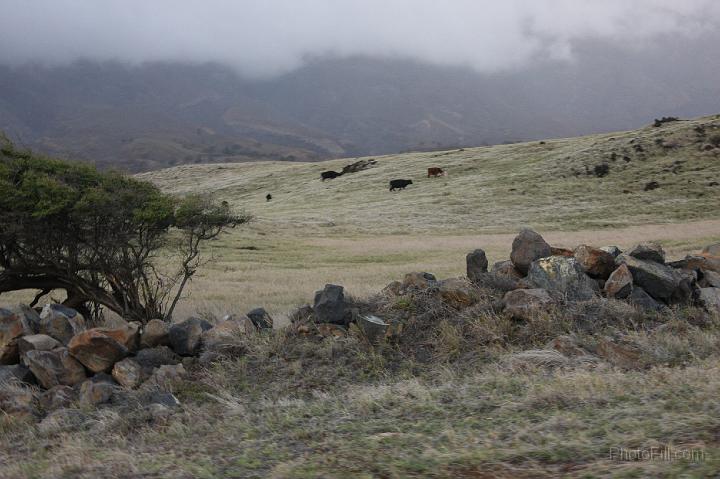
[549,185]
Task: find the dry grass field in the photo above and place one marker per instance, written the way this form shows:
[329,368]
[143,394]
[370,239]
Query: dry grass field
[472,394]
[353,231]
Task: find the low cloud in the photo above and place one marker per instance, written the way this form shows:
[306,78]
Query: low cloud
[270,37]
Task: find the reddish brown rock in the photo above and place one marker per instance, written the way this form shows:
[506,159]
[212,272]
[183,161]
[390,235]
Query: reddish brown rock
[96,350]
[595,262]
[418,280]
[328,330]
[11,328]
[94,393]
[56,367]
[561,252]
[527,303]
[128,335]
[526,248]
[620,283]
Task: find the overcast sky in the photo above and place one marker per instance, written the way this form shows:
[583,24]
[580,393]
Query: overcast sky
[268,37]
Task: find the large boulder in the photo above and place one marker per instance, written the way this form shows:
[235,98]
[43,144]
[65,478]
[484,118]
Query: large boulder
[155,333]
[12,327]
[457,292]
[96,350]
[709,298]
[331,306]
[563,275]
[61,322]
[52,368]
[477,265]
[620,283]
[186,337]
[658,280]
[527,303]
[648,252]
[527,247]
[594,261]
[260,318]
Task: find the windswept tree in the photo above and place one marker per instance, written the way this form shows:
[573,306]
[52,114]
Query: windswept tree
[107,240]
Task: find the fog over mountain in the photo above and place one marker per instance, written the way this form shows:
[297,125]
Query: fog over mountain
[150,84]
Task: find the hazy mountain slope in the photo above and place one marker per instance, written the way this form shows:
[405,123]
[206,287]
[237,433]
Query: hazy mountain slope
[156,115]
[552,184]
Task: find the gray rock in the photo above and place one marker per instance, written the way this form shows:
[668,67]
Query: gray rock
[709,298]
[186,337]
[527,247]
[155,333]
[37,342]
[477,265]
[372,327]
[712,250]
[260,318]
[16,372]
[57,397]
[94,393]
[710,279]
[640,298]
[613,250]
[30,316]
[55,367]
[658,280]
[61,322]
[128,373]
[331,306]
[563,275]
[648,252]
[152,358]
[164,398]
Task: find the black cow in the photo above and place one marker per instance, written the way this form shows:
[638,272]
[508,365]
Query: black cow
[399,184]
[330,175]
[268,197]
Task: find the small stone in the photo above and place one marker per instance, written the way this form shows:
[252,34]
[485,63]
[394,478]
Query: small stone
[372,327]
[92,393]
[648,252]
[12,327]
[477,265]
[418,280]
[458,293]
[166,375]
[186,337]
[56,397]
[128,373]
[260,318]
[712,250]
[328,330]
[527,247]
[620,283]
[709,298]
[150,359]
[640,298]
[96,350]
[613,250]
[525,304]
[16,401]
[155,333]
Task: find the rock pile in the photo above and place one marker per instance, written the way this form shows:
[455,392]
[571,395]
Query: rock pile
[52,359]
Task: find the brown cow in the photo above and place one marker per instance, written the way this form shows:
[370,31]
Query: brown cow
[434,171]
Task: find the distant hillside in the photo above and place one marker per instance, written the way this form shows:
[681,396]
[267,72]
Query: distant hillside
[158,115]
[652,175]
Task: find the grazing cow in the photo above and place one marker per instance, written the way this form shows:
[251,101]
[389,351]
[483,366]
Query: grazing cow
[268,197]
[434,171]
[329,175]
[399,184]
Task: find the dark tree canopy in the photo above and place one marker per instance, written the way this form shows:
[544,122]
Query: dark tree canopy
[104,238]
